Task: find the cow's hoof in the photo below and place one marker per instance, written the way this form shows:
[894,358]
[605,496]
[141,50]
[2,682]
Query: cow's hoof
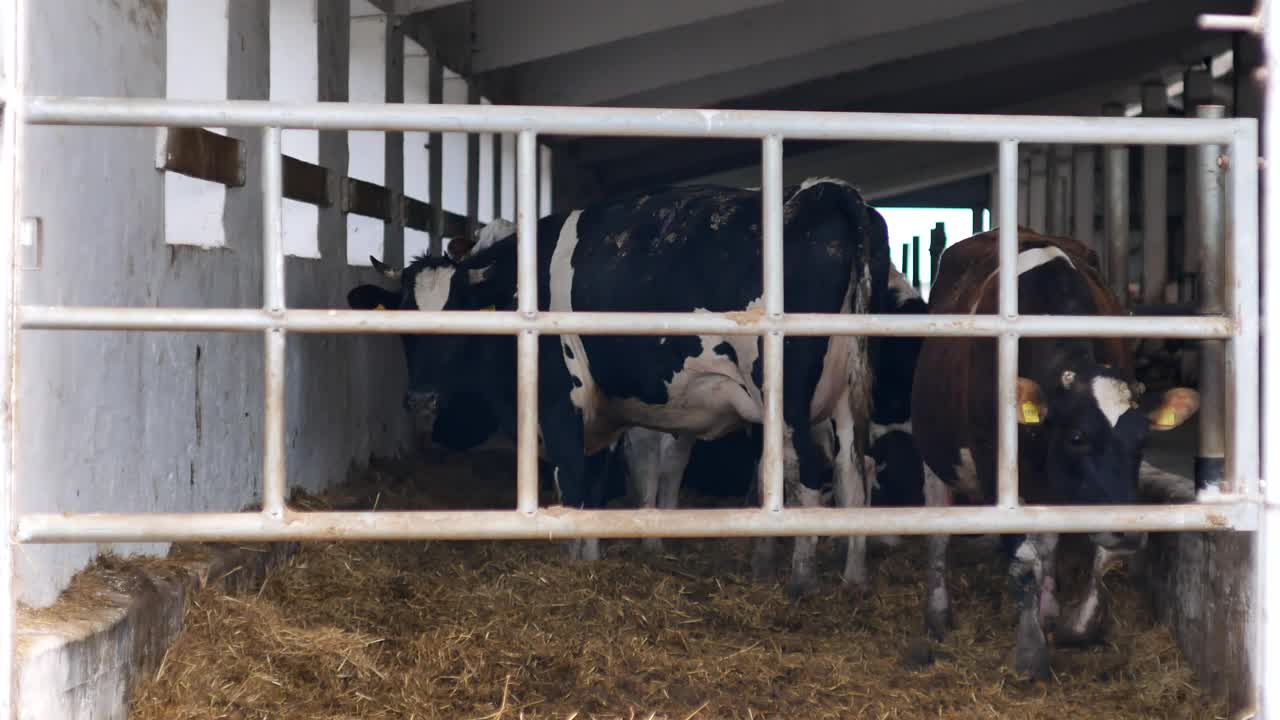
[1032,662]
[919,654]
[588,549]
[938,622]
[857,587]
[1031,654]
[801,588]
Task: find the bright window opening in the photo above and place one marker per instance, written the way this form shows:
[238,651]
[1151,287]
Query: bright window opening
[295,76]
[366,150]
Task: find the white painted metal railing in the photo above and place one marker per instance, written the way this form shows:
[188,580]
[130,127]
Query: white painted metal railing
[274,320]
[1235,509]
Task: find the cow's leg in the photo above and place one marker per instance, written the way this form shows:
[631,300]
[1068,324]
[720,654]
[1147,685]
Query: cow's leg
[562,435]
[676,450]
[937,609]
[1081,622]
[851,491]
[1031,651]
[642,450]
[764,555]
[1048,580]
[803,482]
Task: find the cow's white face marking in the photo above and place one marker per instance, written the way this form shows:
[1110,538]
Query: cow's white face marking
[1029,260]
[431,288]
[1113,397]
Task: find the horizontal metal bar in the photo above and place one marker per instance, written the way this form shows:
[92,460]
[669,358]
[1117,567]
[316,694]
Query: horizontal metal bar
[52,317]
[1230,23]
[556,523]
[630,122]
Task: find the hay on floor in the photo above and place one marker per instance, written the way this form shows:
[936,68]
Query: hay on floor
[511,630]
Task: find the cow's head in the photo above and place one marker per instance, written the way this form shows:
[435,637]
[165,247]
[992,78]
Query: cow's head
[440,363]
[1094,434]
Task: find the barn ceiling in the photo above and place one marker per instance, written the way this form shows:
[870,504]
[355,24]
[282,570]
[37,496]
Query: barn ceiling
[1038,56]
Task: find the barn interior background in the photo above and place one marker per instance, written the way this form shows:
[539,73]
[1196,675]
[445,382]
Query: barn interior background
[143,422]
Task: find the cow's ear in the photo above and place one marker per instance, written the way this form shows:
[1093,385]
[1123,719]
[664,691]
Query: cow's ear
[386,270]
[476,276]
[1031,407]
[1178,406]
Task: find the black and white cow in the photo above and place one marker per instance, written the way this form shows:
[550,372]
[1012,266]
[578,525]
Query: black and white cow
[1081,433]
[681,249]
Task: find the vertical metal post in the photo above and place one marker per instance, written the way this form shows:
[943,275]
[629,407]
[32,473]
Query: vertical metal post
[393,142]
[527,304]
[1082,194]
[496,140]
[993,195]
[1007,350]
[1242,298]
[435,157]
[13,87]
[977,222]
[937,243]
[1266,668]
[473,167]
[1024,187]
[1155,200]
[1197,91]
[1205,230]
[1038,189]
[771,494]
[1060,168]
[1115,187]
[906,259]
[915,262]
[273,292]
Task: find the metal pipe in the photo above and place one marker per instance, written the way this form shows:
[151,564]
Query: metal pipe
[12,145]
[1266,645]
[473,167]
[557,523]
[915,262]
[1230,23]
[1155,201]
[527,307]
[274,478]
[771,471]
[1007,350]
[1115,188]
[906,259]
[624,122]
[43,317]
[1242,371]
[435,158]
[1024,187]
[1205,214]
[1038,189]
[1082,193]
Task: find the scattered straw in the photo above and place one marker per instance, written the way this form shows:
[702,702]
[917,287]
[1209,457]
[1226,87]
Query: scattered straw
[501,631]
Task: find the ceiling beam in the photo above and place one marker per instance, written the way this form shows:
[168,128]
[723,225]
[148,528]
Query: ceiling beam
[511,32]
[1089,79]
[1049,23]
[775,32]
[408,7]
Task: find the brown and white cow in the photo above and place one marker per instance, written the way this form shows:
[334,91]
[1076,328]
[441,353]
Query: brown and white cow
[1080,438]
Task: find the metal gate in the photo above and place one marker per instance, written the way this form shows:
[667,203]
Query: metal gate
[1238,508]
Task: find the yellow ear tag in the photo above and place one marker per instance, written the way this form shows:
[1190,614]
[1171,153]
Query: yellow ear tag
[491,307]
[381,307]
[1167,418]
[1030,413]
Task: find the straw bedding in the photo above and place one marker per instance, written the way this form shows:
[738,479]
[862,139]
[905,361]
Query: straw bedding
[511,630]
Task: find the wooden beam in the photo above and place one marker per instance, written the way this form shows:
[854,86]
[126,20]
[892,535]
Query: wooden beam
[367,199]
[201,154]
[306,182]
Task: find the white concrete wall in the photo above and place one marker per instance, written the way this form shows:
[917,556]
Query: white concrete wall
[295,76]
[417,157]
[368,160]
[167,422]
